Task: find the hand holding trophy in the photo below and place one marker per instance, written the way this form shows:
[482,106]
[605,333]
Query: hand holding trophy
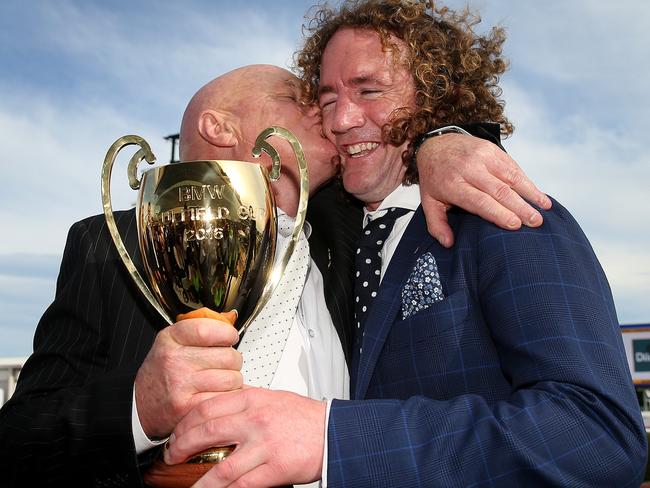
[207,234]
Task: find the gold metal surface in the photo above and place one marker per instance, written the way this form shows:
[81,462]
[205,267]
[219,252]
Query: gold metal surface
[143,153]
[262,145]
[207,229]
[212,455]
[207,233]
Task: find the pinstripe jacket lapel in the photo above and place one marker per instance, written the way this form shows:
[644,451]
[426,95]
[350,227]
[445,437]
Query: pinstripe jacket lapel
[415,241]
[336,225]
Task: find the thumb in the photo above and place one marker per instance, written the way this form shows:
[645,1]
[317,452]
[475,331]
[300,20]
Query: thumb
[435,213]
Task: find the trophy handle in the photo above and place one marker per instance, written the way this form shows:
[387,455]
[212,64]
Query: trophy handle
[144,153]
[274,175]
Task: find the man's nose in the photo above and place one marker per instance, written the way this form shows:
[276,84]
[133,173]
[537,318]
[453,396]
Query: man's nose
[347,115]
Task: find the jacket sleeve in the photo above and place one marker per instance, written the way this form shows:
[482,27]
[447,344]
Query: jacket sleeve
[570,417]
[69,420]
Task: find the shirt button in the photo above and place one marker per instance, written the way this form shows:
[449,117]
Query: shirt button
[311,333]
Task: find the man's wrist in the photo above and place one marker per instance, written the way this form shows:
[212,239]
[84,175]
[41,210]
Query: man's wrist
[488,131]
[447,129]
[141,441]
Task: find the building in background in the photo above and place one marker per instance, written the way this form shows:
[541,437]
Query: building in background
[9,371]
[636,339]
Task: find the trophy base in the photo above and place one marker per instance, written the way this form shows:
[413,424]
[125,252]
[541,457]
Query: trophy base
[162,475]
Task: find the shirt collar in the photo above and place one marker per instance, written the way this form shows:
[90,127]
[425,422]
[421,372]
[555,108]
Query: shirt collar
[403,196]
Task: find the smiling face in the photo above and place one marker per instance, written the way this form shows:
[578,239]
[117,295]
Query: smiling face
[361,85]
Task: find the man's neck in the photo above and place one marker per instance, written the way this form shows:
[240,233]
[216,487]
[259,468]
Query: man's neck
[371,207]
[403,197]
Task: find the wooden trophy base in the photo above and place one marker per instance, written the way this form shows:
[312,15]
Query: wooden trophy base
[162,475]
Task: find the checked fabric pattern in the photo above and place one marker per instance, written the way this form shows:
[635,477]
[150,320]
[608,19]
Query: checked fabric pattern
[368,264]
[423,288]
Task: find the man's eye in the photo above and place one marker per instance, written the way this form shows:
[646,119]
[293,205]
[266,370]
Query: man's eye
[326,103]
[370,91]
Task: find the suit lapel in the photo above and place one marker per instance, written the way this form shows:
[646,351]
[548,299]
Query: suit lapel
[387,304]
[336,225]
[131,241]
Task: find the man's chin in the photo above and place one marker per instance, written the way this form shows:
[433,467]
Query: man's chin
[353,186]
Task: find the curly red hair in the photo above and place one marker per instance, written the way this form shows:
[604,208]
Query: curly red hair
[455,71]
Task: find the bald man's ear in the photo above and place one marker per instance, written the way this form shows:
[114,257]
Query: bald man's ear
[217,129]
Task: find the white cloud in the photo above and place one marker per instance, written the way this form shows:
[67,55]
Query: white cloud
[602,178]
[130,77]
[163,57]
[54,176]
[22,301]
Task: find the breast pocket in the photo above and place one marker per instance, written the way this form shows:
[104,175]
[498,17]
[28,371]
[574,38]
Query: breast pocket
[437,319]
[423,354]
[441,352]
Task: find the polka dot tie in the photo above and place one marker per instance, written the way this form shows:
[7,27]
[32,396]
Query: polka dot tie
[368,264]
[265,338]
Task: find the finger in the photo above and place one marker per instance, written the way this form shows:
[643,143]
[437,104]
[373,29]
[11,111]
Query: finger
[203,332]
[510,200]
[435,213]
[213,407]
[244,463]
[220,380]
[528,191]
[221,431]
[482,204]
[260,476]
[507,170]
[496,182]
[217,357]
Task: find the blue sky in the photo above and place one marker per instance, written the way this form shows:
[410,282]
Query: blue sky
[76,75]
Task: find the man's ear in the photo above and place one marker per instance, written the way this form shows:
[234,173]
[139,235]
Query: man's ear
[217,129]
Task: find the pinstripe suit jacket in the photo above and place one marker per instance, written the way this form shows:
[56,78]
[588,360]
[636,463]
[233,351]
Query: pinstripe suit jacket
[517,378]
[69,421]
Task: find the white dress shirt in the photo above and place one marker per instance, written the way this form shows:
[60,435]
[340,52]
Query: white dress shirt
[312,363]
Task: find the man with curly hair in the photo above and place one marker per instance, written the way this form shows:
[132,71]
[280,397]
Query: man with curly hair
[498,362]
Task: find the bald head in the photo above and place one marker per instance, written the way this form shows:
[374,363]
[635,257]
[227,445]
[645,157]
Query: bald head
[224,118]
[213,120]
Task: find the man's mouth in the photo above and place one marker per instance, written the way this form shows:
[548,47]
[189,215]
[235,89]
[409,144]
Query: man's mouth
[361,149]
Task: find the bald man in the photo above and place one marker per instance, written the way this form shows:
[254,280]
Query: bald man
[99,345]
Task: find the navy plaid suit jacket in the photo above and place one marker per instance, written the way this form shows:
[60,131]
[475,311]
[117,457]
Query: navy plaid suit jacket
[517,378]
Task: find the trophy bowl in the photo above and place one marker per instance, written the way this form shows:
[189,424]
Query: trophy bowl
[207,236]
[207,232]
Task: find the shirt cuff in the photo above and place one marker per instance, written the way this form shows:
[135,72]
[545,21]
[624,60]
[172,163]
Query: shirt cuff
[140,439]
[323,474]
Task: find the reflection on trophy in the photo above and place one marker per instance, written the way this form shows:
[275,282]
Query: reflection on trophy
[207,233]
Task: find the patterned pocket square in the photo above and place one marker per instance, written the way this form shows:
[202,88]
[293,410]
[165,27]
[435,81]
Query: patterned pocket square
[423,288]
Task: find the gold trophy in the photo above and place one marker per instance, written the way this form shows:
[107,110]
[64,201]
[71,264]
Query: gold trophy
[207,234]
